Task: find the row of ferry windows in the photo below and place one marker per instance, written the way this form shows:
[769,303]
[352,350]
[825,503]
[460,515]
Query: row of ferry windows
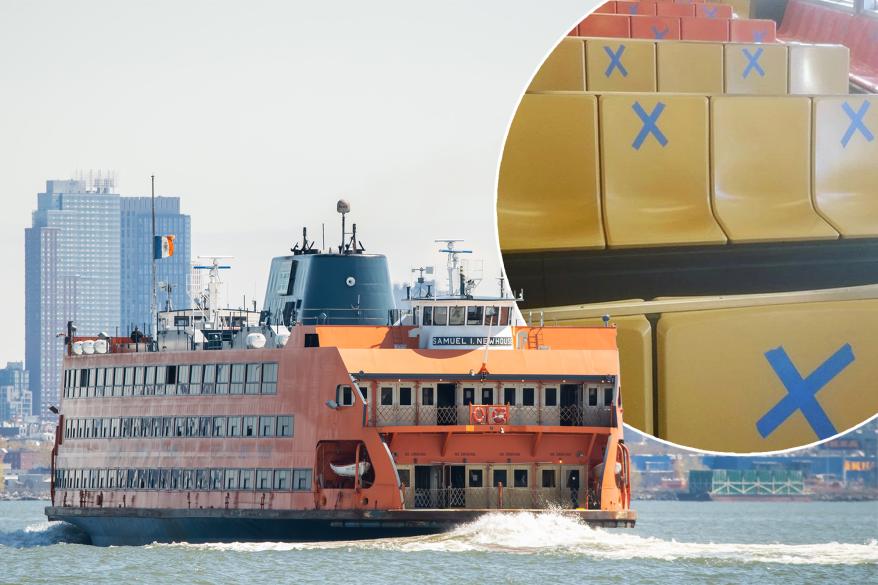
[184,479]
[180,426]
[473,315]
[185,379]
[401,395]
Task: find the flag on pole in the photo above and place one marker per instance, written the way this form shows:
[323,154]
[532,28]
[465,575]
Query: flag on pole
[163,247]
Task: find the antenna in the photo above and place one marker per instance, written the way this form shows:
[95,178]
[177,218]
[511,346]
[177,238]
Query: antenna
[153,307]
[213,286]
[343,207]
[453,262]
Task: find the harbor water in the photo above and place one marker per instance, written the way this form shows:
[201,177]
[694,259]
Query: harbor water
[674,542]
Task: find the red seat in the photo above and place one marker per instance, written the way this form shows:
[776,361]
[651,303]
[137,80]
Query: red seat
[606,8]
[655,27]
[751,30]
[634,7]
[793,17]
[713,11]
[689,1]
[704,29]
[605,25]
[678,10]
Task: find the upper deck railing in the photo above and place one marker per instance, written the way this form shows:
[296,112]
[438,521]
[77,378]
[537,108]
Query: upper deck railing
[423,415]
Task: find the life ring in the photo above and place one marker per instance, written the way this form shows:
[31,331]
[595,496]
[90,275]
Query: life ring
[478,415]
[499,416]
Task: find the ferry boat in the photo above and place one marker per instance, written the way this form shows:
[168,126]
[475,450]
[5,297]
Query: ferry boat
[333,414]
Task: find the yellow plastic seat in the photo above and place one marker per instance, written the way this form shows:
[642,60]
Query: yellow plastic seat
[761,160]
[819,69]
[564,68]
[620,65]
[656,172]
[846,163]
[634,338]
[690,67]
[755,69]
[549,193]
[719,385]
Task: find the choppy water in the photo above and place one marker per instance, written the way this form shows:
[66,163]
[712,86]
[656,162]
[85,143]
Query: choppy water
[674,542]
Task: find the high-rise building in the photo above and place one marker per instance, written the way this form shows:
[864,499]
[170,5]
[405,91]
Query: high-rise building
[88,257]
[172,274]
[15,395]
[72,269]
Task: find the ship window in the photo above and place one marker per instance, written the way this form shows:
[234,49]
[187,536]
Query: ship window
[492,316]
[284,426]
[312,340]
[608,396]
[509,396]
[205,424]
[216,479]
[487,396]
[131,478]
[164,478]
[527,397]
[549,478]
[192,426]
[179,426]
[405,396]
[170,376]
[292,281]
[237,386]
[195,372]
[160,376]
[592,396]
[476,478]
[440,316]
[138,379]
[254,375]
[551,395]
[500,477]
[519,477]
[168,426]
[427,396]
[108,377]
[157,427]
[469,396]
[386,396]
[219,426]
[183,379]
[428,316]
[126,427]
[282,479]
[246,479]
[344,395]
[188,479]
[181,321]
[474,315]
[153,478]
[201,477]
[269,378]
[150,376]
[83,378]
[456,315]
[231,480]
[267,426]
[405,476]
[249,426]
[222,378]
[302,479]
[234,426]
[115,423]
[208,381]
[505,313]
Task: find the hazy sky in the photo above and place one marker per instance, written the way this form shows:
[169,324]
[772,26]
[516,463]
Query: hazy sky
[260,114]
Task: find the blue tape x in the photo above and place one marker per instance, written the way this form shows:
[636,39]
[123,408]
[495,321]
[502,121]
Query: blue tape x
[857,123]
[711,12]
[633,8]
[615,61]
[802,392]
[753,62]
[758,36]
[649,124]
[660,34]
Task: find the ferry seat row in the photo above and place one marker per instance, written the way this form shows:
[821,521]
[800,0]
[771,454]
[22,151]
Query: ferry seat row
[709,11]
[690,28]
[604,65]
[746,352]
[584,172]
[807,22]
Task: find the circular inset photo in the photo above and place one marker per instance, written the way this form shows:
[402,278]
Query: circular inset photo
[710,193]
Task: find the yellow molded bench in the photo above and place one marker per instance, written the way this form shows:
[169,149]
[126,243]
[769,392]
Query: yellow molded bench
[755,69]
[656,172]
[761,159]
[563,69]
[620,65]
[690,67]
[819,69]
